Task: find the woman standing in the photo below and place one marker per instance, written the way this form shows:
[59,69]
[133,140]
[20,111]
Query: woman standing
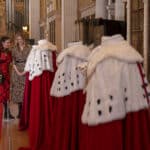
[19,56]
[5,60]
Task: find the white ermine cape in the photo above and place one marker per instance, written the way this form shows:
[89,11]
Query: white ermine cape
[68,78]
[116,82]
[40,59]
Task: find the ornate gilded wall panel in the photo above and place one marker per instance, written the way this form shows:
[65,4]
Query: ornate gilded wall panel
[42,10]
[2,18]
[53,25]
[58,4]
[52,33]
[19,6]
[84,3]
[137,24]
[21,14]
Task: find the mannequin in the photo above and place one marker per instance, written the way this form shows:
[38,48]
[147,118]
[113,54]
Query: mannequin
[41,67]
[117,101]
[68,98]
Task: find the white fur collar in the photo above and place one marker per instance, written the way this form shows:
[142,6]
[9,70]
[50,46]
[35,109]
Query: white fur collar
[46,45]
[120,50]
[112,39]
[79,51]
[34,47]
[75,43]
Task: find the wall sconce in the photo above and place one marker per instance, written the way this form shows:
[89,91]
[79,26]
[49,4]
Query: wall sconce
[25,28]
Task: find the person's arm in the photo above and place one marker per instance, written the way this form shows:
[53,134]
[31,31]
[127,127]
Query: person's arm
[17,71]
[15,68]
[22,73]
[14,63]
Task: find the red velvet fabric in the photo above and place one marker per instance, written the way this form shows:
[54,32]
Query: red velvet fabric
[68,133]
[137,131]
[67,126]
[55,124]
[38,110]
[40,119]
[24,119]
[131,133]
[1,117]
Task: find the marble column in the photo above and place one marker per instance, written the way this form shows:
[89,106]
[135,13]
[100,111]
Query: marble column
[34,17]
[9,15]
[129,21]
[119,10]
[3,16]
[101,11]
[146,29]
[110,9]
[26,12]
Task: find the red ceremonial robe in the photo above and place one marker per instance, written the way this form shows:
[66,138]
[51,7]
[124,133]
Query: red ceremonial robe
[40,111]
[1,116]
[24,119]
[67,126]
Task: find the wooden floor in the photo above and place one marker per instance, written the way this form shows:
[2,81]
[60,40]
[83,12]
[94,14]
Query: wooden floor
[12,139]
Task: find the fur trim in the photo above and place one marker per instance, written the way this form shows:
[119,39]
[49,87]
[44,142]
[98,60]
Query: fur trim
[112,39]
[34,46]
[46,45]
[30,58]
[68,78]
[38,60]
[114,90]
[75,43]
[79,51]
[118,50]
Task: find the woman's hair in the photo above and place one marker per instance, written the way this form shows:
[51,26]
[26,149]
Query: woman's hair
[3,39]
[19,35]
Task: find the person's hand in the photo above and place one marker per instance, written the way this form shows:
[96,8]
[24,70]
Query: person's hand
[17,71]
[21,73]
[14,66]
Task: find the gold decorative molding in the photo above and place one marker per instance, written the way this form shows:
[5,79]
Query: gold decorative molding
[88,10]
[2,18]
